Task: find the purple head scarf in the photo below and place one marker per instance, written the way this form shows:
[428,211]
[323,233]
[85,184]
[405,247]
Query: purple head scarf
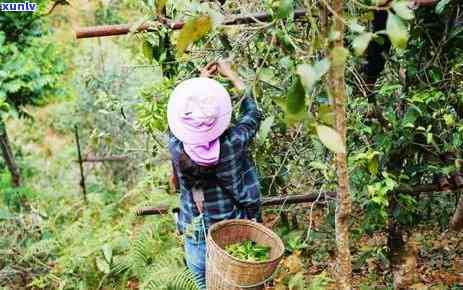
[199,111]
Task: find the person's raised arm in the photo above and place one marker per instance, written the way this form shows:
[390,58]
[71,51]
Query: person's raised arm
[250,116]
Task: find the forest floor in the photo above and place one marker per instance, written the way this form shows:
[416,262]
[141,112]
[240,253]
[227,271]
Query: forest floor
[433,260]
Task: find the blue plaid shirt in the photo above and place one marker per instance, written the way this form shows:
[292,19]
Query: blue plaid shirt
[231,188]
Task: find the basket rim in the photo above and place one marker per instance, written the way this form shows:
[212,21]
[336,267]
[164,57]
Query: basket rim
[255,224]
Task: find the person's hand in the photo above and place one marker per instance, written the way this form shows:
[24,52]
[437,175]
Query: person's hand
[224,68]
[209,69]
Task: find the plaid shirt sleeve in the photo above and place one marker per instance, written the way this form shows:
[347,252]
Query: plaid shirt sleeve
[248,124]
[244,131]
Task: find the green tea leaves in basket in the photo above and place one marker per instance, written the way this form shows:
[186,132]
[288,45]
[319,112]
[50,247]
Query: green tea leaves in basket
[248,251]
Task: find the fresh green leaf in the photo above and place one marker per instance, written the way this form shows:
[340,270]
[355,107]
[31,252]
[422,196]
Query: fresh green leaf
[361,42]
[192,31]
[439,7]
[402,9]
[296,97]
[397,31]
[373,166]
[285,9]
[147,50]
[248,251]
[331,139]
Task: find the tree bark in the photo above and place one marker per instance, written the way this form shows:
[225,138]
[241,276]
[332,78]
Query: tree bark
[337,88]
[456,223]
[8,156]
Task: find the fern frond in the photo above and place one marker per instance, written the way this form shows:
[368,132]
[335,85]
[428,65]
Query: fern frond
[42,247]
[184,280]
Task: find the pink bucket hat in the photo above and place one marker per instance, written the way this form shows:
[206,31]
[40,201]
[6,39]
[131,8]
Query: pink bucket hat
[199,110]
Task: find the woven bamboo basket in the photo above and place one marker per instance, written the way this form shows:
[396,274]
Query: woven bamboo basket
[225,272]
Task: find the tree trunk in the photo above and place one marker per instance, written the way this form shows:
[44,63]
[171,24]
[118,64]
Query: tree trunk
[456,223]
[337,88]
[8,156]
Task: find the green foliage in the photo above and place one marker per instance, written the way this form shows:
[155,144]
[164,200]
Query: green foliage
[30,67]
[13,197]
[248,251]
[152,112]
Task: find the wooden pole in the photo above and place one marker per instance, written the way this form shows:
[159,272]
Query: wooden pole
[120,29]
[310,197]
[267,201]
[102,159]
[81,166]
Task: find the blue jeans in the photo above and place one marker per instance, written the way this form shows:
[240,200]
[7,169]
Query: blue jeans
[195,256]
[195,251]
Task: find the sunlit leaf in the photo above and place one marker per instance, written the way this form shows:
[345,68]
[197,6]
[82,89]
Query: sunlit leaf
[310,74]
[373,166]
[354,26]
[397,31]
[331,139]
[193,30]
[147,50]
[361,42]
[339,55]
[441,6]
[296,97]
[401,8]
[285,9]
[160,4]
[326,114]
